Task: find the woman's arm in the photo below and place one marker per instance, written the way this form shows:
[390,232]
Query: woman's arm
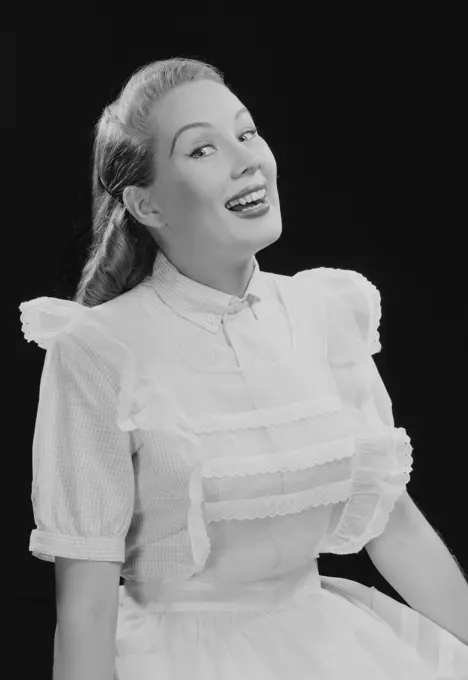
[84,648]
[412,557]
[87,594]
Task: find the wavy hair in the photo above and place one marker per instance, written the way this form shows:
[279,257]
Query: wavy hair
[122,250]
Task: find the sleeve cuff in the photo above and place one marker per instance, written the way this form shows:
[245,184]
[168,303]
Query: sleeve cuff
[46,545]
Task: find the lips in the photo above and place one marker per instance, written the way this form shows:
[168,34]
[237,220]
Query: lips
[248,190]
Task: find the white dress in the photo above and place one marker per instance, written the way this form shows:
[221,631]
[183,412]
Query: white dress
[215,447]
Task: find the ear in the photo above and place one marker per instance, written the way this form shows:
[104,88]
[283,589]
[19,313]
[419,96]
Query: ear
[143,207]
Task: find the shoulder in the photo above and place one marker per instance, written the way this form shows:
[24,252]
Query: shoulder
[340,282]
[45,320]
[353,303]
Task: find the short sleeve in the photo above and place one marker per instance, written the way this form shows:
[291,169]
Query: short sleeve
[383,453]
[353,310]
[83,479]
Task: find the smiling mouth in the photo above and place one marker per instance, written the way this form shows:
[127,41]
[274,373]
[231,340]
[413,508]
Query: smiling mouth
[254,209]
[239,207]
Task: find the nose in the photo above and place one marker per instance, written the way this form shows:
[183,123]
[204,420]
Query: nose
[248,160]
[241,152]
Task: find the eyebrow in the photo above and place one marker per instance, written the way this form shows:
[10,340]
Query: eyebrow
[202,124]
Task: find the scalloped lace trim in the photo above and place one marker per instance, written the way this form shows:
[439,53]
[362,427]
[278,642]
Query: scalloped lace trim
[37,318]
[267,417]
[283,461]
[284,504]
[372,476]
[147,408]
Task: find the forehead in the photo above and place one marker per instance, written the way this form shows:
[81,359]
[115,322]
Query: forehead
[202,100]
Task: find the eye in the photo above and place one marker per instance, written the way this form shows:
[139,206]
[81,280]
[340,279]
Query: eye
[252,131]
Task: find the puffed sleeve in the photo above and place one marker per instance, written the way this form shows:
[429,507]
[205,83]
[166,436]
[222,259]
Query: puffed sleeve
[382,461]
[353,313]
[83,479]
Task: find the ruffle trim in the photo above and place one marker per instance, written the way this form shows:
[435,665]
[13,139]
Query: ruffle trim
[383,464]
[142,405]
[284,504]
[201,512]
[268,417]
[383,469]
[44,318]
[354,313]
[283,461]
[150,408]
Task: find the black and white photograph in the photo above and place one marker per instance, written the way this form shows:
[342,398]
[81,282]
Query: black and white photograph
[236,445]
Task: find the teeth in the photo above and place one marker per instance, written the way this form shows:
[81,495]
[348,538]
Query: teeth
[248,198]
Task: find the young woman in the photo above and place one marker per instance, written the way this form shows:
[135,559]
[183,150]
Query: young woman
[206,429]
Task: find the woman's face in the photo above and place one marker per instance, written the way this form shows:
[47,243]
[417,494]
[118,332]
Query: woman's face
[200,168]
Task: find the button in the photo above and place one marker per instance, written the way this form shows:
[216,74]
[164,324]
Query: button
[211,318]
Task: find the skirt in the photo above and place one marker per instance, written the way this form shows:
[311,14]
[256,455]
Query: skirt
[305,627]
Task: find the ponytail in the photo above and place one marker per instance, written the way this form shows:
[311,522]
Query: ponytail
[121,258]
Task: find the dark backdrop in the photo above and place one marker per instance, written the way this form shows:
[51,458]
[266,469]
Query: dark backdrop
[368,129]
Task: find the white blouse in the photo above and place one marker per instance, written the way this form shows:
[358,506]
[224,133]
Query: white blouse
[185,432]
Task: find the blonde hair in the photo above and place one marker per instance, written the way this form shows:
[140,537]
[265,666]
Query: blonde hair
[122,251]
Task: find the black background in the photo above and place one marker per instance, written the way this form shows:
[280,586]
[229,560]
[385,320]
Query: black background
[368,129]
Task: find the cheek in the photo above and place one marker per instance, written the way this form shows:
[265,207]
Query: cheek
[193,192]
[203,197]
[181,200]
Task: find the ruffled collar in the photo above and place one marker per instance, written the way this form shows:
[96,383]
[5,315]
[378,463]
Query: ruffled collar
[186,295]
